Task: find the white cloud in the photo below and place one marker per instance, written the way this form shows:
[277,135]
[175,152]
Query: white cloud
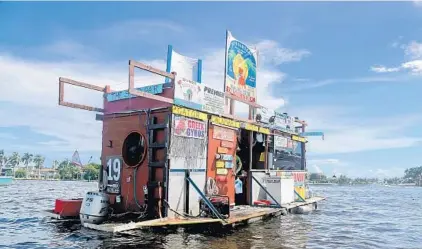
[31,89]
[344,133]
[413,52]
[382,69]
[271,52]
[417,3]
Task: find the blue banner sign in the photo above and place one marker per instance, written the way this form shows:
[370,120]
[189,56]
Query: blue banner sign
[312,134]
[153,89]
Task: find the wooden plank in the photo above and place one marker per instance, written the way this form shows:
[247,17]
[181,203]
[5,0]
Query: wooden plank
[151,69]
[83,107]
[150,96]
[81,84]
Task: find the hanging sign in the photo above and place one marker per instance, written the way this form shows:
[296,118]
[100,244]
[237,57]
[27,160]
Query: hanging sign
[263,115]
[222,150]
[240,72]
[120,95]
[219,164]
[186,127]
[222,133]
[226,157]
[213,101]
[227,144]
[228,165]
[299,139]
[225,121]
[264,130]
[280,142]
[189,113]
[188,93]
[222,171]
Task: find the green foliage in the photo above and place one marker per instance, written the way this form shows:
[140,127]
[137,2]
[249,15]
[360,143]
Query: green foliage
[91,171]
[20,173]
[413,174]
[68,171]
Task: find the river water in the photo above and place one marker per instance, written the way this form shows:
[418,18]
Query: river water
[351,217]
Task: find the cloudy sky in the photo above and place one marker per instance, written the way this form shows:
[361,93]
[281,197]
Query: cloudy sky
[352,70]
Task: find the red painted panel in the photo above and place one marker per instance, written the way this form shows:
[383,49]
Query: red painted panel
[225,184]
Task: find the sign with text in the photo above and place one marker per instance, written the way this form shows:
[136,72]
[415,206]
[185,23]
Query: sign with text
[240,71]
[114,173]
[222,133]
[198,96]
[263,115]
[213,101]
[120,95]
[186,127]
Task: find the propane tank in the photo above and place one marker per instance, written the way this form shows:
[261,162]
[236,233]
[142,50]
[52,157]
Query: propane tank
[94,208]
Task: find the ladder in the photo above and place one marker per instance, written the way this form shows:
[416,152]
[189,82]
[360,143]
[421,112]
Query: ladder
[153,164]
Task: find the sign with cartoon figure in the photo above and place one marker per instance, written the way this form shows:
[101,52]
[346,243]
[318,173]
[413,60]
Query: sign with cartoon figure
[241,64]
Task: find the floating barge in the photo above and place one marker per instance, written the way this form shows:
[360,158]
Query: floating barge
[173,153]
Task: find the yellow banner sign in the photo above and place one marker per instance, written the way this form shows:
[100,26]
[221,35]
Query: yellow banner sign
[225,121]
[189,113]
[251,127]
[264,130]
[299,139]
[219,164]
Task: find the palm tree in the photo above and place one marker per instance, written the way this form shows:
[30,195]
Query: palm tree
[14,161]
[27,159]
[39,162]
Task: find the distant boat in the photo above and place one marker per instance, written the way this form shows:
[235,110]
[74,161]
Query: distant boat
[5,180]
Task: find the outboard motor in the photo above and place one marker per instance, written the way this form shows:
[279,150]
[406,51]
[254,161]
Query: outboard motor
[94,208]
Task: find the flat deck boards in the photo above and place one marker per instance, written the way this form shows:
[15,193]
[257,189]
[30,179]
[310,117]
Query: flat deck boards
[238,215]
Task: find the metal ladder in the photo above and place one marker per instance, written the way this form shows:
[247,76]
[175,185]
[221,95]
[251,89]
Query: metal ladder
[153,165]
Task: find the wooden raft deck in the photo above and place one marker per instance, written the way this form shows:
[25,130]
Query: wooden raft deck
[239,215]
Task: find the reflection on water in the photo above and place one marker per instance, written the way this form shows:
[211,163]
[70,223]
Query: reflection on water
[351,217]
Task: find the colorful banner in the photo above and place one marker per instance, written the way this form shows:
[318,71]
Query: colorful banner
[185,67]
[188,93]
[186,127]
[241,66]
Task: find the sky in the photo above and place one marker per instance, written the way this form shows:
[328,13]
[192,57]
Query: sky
[350,69]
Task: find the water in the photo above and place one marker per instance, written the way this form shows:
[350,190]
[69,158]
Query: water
[351,217]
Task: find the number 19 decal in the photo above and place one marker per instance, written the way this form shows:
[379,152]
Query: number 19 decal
[114,169]
[114,166]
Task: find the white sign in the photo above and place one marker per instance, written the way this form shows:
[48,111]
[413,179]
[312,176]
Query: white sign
[198,96]
[280,142]
[263,115]
[185,67]
[213,101]
[188,93]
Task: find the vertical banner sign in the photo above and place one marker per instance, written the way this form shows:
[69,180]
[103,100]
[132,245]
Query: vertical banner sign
[186,127]
[114,172]
[299,178]
[241,66]
[185,67]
